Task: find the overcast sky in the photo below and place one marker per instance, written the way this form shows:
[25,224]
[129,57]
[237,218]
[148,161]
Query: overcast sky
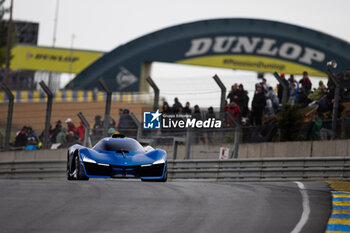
[105,24]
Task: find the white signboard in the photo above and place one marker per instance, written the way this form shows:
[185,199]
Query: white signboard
[224,153]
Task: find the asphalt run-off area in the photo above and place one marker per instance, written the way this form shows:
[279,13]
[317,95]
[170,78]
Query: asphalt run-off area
[106,206]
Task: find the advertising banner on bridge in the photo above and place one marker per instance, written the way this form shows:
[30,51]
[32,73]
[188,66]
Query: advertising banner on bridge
[60,60]
[244,44]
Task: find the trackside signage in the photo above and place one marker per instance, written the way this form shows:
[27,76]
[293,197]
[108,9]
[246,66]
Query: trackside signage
[157,120]
[240,44]
[254,45]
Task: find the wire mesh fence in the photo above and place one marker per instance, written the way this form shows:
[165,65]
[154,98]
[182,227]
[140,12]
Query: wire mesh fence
[204,142]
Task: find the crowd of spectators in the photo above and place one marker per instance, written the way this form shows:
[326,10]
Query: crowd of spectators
[259,121]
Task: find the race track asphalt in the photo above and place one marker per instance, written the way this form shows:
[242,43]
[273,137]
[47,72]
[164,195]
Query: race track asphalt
[103,206]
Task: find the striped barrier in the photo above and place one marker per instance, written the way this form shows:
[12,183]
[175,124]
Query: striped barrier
[339,221]
[70,96]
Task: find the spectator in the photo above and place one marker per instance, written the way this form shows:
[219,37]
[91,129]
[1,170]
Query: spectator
[21,138]
[210,133]
[347,124]
[187,109]
[62,136]
[166,108]
[124,121]
[280,88]
[293,84]
[55,131]
[233,95]
[306,83]
[258,105]
[71,127]
[111,131]
[31,144]
[264,85]
[326,131]
[235,111]
[317,127]
[176,105]
[243,100]
[302,98]
[98,126]
[198,116]
[272,99]
[293,97]
[31,134]
[81,131]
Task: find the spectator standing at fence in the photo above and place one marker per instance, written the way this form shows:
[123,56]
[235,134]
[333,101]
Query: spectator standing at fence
[258,105]
[264,85]
[54,132]
[233,94]
[306,83]
[293,84]
[210,133]
[123,121]
[235,112]
[97,129]
[272,103]
[62,136]
[187,109]
[176,105]
[244,99]
[280,88]
[81,132]
[198,116]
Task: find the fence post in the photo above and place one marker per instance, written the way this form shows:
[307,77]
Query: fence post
[235,148]
[188,144]
[156,93]
[48,113]
[223,96]
[87,139]
[9,115]
[108,105]
[285,86]
[338,86]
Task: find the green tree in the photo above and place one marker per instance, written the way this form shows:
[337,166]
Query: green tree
[3,33]
[290,122]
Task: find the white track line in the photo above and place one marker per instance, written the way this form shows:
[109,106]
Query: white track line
[306,208]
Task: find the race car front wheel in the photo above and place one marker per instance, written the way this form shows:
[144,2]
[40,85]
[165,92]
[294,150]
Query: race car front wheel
[79,171]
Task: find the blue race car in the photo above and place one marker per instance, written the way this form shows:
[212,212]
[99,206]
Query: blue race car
[116,157]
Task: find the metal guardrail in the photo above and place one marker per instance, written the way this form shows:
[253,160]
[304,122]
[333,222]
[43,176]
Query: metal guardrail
[274,169]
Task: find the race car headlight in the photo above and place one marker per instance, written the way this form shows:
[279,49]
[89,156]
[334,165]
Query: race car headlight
[88,160]
[159,161]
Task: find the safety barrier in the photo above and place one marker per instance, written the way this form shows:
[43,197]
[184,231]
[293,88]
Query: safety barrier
[274,169]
